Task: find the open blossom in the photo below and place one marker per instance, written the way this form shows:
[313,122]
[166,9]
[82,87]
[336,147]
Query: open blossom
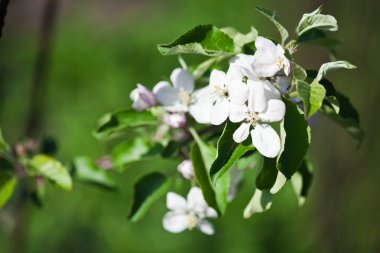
[181,97]
[267,61]
[261,109]
[186,169]
[228,94]
[188,213]
[142,98]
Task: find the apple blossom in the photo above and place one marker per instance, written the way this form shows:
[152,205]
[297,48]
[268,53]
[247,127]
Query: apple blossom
[186,169]
[188,213]
[181,97]
[175,120]
[142,98]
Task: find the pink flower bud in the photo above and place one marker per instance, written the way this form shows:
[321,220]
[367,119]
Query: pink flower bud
[175,120]
[186,169]
[142,98]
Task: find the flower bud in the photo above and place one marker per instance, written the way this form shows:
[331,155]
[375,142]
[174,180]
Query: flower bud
[142,98]
[186,169]
[175,120]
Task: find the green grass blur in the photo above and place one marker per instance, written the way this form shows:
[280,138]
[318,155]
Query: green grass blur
[101,49]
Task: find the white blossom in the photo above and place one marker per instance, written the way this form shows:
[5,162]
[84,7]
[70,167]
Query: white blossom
[267,61]
[228,94]
[188,213]
[264,106]
[175,120]
[186,169]
[142,98]
[181,97]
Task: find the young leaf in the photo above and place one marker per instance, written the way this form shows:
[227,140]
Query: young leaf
[240,39]
[202,39]
[331,66]
[7,185]
[302,180]
[131,150]
[299,73]
[312,96]
[280,182]
[260,202]
[202,68]
[87,171]
[295,136]
[316,20]
[123,119]
[208,152]
[3,144]
[272,17]
[147,190]
[53,170]
[266,177]
[228,151]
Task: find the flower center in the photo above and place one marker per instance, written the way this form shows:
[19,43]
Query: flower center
[221,91]
[192,221]
[280,62]
[185,97]
[252,118]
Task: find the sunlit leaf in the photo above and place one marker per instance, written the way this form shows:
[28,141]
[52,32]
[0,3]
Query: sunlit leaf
[316,20]
[260,202]
[7,185]
[272,17]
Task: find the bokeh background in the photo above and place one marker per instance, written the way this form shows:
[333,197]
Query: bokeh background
[101,49]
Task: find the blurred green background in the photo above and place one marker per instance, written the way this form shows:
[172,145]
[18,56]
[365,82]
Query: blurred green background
[101,49]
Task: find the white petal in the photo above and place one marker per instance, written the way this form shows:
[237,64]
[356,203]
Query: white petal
[220,111]
[175,222]
[280,50]
[182,80]
[262,43]
[271,92]
[175,201]
[257,101]
[287,66]
[165,94]
[233,73]
[195,200]
[186,169]
[243,63]
[241,134]
[204,95]
[275,111]
[237,92]
[201,112]
[217,77]
[211,213]
[206,227]
[237,112]
[266,140]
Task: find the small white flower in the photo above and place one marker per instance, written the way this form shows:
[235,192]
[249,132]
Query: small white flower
[267,61]
[263,107]
[175,120]
[142,98]
[188,213]
[181,97]
[186,169]
[228,94]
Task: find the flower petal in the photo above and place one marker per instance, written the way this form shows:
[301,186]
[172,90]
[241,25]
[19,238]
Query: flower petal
[175,222]
[182,80]
[220,111]
[204,95]
[275,111]
[217,77]
[263,44]
[233,73]
[241,134]
[206,227]
[175,202]
[165,94]
[237,92]
[266,140]
[257,101]
[243,63]
[195,200]
[201,112]
[237,112]
[271,92]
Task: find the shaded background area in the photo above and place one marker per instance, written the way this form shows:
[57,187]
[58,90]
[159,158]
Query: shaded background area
[101,49]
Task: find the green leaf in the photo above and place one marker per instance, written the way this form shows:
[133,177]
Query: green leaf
[299,73]
[208,152]
[301,181]
[228,151]
[202,68]
[316,20]
[318,38]
[331,66]
[266,177]
[253,161]
[87,171]
[147,190]
[131,150]
[272,17]
[7,185]
[347,117]
[295,136]
[123,119]
[312,96]
[260,202]
[240,39]
[279,183]
[53,170]
[3,144]
[202,39]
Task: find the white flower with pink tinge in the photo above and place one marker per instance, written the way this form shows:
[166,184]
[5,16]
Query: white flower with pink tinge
[181,97]
[186,169]
[142,98]
[188,213]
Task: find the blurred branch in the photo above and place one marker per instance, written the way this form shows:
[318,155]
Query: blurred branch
[3,13]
